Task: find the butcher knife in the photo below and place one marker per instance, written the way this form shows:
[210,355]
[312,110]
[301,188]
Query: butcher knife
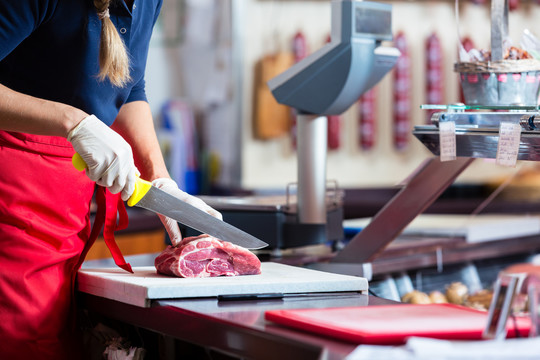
[151,198]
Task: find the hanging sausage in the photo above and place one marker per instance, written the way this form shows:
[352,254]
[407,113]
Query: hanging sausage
[366,119]
[300,51]
[333,131]
[334,125]
[513,5]
[434,73]
[402,101]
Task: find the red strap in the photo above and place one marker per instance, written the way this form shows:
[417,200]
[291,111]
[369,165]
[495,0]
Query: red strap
[115,206]
[108,207]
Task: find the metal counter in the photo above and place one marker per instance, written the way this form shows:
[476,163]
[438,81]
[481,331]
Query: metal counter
[236,328]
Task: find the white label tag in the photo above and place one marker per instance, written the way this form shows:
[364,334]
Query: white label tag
[508,146]
[447,140]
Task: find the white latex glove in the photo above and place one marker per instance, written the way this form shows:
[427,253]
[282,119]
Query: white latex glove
[170,187]
[107,155]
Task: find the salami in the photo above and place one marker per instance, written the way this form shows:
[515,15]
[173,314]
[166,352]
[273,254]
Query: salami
[334,124]
[333,131]
[402,101]
[206,256]
[366,119]
[513,5]
[434,73]
[300,51]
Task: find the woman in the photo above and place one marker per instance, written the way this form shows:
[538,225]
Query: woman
[69,69]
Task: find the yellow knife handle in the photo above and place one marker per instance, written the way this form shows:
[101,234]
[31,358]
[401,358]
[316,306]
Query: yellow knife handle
[141,186]
[78,162]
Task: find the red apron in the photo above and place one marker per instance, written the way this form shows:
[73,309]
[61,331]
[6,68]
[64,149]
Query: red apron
[44,236]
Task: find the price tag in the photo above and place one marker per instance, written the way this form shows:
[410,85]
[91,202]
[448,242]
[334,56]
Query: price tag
[508,146]
[447,140]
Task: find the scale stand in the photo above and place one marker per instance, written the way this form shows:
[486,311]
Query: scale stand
[424,187]
[328,82]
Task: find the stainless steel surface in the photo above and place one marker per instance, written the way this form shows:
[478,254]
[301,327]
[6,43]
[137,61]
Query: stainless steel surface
[479,143]
[413,253]
[530,121]
[480,120]
[237,328]
[162,203]
[422,190]
[274,219]
[312,149]
[270,203]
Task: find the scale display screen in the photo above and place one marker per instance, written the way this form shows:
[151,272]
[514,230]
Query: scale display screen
[373,22]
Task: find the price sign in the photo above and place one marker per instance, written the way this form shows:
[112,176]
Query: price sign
[447,140]
[508,146]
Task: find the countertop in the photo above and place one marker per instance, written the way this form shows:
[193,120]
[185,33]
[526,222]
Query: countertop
[237,327]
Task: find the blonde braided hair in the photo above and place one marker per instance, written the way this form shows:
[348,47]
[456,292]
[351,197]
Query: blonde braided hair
[113,57]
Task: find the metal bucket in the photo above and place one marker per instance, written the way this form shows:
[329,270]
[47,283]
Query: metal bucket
[500,82]
[499,88]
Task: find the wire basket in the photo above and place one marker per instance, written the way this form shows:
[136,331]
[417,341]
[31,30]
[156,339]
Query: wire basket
[500,83]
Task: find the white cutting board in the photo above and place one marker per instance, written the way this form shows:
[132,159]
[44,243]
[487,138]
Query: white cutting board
[146,284]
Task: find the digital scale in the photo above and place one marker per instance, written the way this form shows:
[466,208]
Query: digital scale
[325,83]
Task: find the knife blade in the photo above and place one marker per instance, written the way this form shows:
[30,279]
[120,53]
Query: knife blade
[151,198]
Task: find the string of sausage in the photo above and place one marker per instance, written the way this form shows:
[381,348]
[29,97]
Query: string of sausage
[402,101]
[366,119]
[434,73]
[300,51]
[334,125]
[512,4]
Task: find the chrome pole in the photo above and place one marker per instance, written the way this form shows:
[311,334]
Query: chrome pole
[312,135]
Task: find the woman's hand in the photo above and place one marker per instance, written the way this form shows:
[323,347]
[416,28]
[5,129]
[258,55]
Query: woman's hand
[107,155]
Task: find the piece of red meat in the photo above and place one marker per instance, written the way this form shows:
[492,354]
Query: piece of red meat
[206,256]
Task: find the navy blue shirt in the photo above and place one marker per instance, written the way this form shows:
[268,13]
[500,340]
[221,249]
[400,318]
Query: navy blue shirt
[49,49]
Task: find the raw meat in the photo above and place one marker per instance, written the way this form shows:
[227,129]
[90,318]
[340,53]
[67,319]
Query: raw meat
[206,256]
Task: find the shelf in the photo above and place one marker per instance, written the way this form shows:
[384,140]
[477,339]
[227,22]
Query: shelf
[479,143]
[463,107]
[477,132]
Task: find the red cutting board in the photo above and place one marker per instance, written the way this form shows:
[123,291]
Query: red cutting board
[393,324]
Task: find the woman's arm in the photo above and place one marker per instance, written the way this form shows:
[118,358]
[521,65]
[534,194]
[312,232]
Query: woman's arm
[28,114]
[134,122]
